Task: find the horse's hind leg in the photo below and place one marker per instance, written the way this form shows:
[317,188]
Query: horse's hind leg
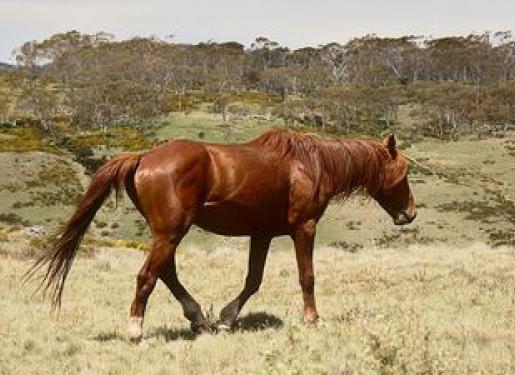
[160,263]
[190,306]
[169,187]
[154,265]
[259,246]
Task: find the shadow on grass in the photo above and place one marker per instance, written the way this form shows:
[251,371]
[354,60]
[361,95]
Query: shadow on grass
[109,336]
[249,323]
[173,334]
[168,334]
[259,321]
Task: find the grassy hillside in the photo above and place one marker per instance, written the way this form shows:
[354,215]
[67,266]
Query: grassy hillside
[436,296]
[467,184]
[205,126]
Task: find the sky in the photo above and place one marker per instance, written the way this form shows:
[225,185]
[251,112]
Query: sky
[294,23]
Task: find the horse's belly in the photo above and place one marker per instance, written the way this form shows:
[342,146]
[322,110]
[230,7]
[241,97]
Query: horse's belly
[233,219]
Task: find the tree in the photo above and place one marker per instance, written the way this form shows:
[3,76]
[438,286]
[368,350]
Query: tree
[458,83]
[449,107]
[113,83]
[5,104]
[333,57]
[499,105]
[39,98]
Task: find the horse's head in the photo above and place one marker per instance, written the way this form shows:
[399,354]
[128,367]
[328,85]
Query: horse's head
[394,195]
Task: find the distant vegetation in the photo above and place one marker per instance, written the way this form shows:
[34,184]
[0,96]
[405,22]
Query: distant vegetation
[436,297]
[448,86]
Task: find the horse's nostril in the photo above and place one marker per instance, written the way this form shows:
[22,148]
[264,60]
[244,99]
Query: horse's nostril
[405,218]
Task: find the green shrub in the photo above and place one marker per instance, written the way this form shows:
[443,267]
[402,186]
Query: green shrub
[26,138]
[13,219]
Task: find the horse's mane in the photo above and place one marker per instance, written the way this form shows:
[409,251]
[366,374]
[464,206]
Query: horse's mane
[342,165]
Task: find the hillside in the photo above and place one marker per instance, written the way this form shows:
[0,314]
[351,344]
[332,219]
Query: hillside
[469,184]
[432,297]
[5,67]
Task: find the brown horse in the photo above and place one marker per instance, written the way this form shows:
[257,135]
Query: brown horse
[277,184]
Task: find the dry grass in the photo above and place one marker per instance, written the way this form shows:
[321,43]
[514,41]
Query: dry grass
[421,310]
[428,298]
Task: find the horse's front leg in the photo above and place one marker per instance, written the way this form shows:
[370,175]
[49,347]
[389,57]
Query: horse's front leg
[304,239]
[259,246]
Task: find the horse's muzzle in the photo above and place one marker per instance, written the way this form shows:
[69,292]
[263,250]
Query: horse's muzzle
[404,218]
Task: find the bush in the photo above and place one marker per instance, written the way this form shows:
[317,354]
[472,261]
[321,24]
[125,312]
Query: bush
[41,244]
[25,138]
[13,219]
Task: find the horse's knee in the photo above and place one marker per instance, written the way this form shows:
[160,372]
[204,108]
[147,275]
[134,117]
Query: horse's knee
[309,228]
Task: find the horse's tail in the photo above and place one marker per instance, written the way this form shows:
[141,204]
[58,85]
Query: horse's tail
[115,173]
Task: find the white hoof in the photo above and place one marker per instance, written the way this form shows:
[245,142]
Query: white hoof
[143,344]
[135,329]
[223,327]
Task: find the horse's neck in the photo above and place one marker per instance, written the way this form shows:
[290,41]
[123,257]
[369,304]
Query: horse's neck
[355,165]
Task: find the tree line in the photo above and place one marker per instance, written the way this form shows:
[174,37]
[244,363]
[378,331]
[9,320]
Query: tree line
[449,85]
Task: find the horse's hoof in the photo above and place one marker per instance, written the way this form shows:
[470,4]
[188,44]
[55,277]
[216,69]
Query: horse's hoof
[143,344]
[311,322]
[311,318]
[135,339]
[135,329]
[223,327]
[315,323]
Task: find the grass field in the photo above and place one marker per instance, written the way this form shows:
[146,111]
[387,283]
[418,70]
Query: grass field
[437,296]
[416,310]
[201,125]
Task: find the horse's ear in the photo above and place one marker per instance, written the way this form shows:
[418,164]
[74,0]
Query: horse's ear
[391,145]
[395,170]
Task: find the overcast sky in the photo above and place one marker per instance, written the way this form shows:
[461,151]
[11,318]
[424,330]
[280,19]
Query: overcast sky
[290,22]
